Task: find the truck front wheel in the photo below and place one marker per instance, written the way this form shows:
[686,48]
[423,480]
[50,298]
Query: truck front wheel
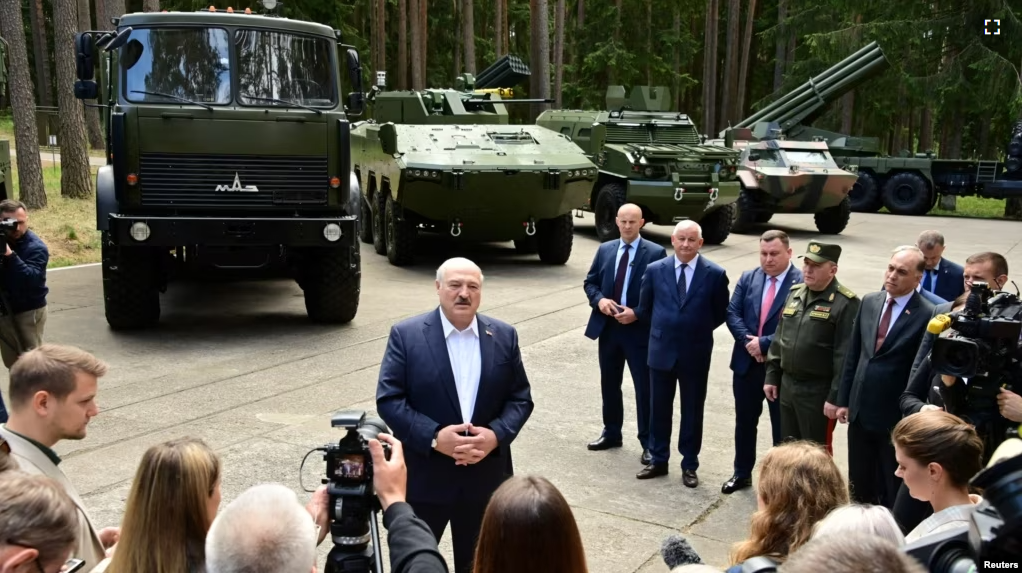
[554,239]
[832,221]
[718,224]
[332,281]
[908,194]
[610,198]
[131,285]
[401,236]
[865,197]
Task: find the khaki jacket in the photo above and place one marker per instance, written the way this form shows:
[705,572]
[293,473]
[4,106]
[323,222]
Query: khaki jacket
[33,461]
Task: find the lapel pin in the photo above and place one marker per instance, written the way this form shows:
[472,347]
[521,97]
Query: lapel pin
[489,333]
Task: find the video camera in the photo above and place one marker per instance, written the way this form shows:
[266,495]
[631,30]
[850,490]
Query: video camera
[984,342]
[353,505]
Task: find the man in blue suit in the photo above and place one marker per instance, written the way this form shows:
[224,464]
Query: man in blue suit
[752,319]
[684,298]
[941,276]
[453,390]
[612,287]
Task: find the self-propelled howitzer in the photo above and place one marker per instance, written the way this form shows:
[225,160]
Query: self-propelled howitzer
[447,161]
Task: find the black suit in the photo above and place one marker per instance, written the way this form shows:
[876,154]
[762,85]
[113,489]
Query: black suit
[620,343]
[872,383]
[417,396]
[948,278]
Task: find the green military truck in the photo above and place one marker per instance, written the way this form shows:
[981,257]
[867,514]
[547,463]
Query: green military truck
[905,184]
[228,146]
[655,159]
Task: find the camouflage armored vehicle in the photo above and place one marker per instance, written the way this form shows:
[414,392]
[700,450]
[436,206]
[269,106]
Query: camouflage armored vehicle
[240,163]
[906,184]
[653,158]
[446,161]
[781,176]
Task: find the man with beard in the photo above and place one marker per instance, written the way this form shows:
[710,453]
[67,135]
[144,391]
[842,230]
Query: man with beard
[453,390]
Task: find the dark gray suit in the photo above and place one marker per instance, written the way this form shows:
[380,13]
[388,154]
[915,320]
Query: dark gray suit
[872,383]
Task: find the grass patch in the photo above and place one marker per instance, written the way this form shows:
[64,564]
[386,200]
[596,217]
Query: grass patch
[973,207]
[67,226]
[7,132]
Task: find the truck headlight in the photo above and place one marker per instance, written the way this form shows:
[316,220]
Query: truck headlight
[140,231]
[332,232]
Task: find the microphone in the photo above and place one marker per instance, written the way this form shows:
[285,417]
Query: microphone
[939,324]
[676,551]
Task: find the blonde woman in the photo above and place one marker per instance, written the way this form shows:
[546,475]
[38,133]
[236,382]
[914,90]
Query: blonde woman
[173,500]
[938,454]
[798,485]
[860,518]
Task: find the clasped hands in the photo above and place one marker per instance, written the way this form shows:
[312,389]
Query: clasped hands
[610,308]
[466,449]
[753,347]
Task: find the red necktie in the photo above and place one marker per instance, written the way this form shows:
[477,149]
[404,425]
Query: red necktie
[886,320]
[765,309]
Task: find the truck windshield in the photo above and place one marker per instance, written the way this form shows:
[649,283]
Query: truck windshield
[285,67]
[180,63]
[817,158]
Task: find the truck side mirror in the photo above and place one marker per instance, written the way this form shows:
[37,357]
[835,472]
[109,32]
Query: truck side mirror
[113,41]
[388,138]
[598,135]
[356,99]
[754,157]
[84,45]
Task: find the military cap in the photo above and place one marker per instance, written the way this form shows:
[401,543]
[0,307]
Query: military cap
[822,252]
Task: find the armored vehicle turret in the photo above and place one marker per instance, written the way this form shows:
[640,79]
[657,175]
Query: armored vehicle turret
[781,176]
[653,158]
[447,161]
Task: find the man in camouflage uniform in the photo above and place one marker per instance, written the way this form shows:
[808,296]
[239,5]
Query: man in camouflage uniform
[805,361]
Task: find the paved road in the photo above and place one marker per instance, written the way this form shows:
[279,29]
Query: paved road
[239,365]
[55,157]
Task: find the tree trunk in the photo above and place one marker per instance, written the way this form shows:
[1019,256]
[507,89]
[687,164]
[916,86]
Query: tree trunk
[19,85]
[848,106]
[41,49]
[423,40]
[74,156]
[373,42]
[381,30]
[612,71]
[955,146]
[92,124]
[731,63]
[498,27]
[112,9]
[779,45]
[747,40]
[469,36]
[649,41]
[416,42]
[403,71]
[710,67]
[150,5]
[559,50]
[676,59]
[926,130]
[539,56]
[982,138]
[456,13]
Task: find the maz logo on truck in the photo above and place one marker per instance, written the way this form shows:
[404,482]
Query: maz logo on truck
[237,187]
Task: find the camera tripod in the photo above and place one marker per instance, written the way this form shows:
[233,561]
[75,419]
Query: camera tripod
[343,559]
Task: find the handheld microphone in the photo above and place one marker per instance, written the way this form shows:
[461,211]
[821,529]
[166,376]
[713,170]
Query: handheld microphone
[939,324]
[676,551]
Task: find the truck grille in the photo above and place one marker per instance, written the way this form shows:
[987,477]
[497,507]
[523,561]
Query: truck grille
[189,180]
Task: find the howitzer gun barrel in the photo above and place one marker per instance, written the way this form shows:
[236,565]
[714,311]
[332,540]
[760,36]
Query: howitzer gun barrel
[825,87]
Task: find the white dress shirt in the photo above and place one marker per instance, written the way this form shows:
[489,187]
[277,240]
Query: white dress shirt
[628,270]
[897,307]
[464,354]
[690,269]
[778,280]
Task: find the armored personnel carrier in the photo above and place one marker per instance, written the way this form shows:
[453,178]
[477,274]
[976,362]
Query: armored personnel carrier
[781,176]
[653,158]
[242,163]
[446,161]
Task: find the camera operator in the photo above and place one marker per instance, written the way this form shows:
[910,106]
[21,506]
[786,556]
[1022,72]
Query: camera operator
[412,545]
[22,287]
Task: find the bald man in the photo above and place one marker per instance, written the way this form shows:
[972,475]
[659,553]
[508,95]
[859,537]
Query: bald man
[453,389]
[612,287]
[685,298]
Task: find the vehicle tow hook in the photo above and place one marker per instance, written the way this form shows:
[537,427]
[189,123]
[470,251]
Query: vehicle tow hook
[678,193]
[713,198]
[456,228]
[530,226]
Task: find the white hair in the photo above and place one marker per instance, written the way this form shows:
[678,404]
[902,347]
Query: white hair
[687,224]
[264,530]
[858,518]
[457,263]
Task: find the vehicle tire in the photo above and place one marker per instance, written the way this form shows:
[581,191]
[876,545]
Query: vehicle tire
[366,223]
[131,285]
[865,197]
[745,212]
[764,217]
[332,285]
[907,194]
[379,234]
[718,224]
[526,245]
[833,220]
[554,239]
[610,198]
[401,237]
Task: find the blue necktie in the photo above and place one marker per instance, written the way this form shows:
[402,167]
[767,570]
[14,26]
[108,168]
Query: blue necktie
[934,279]
[682,283]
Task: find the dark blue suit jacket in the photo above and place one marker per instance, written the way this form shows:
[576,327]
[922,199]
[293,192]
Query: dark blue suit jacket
[682,332]
[416,397]
[743,316]
[600,283]
[950,280]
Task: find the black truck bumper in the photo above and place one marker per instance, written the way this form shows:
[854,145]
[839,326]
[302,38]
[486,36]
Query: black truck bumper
[146,231]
